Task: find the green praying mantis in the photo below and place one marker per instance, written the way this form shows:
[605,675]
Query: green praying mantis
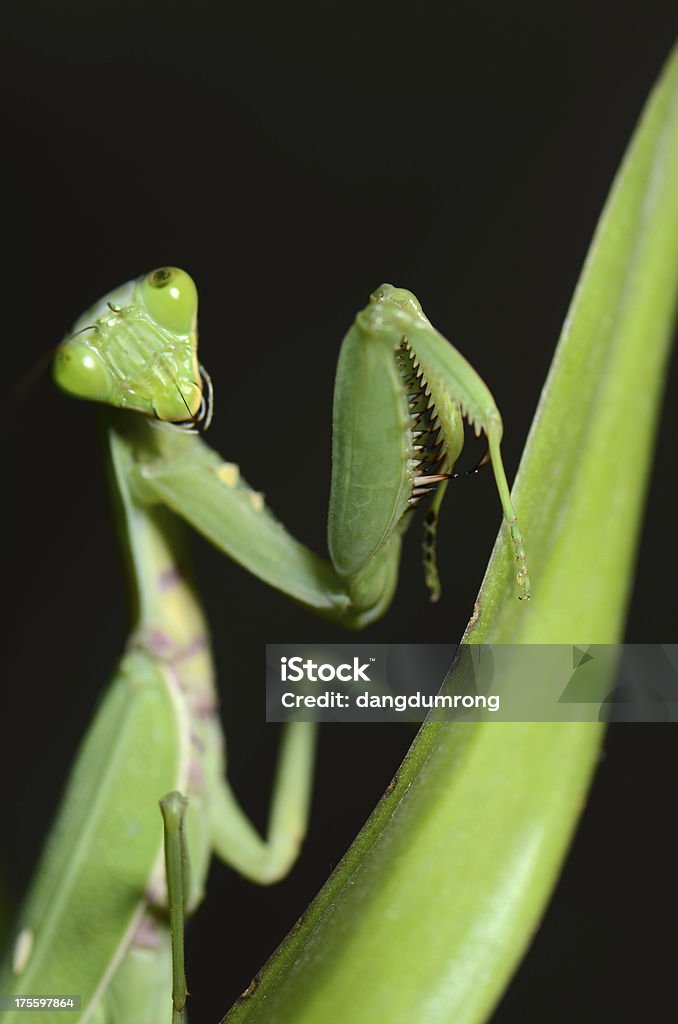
[104,918]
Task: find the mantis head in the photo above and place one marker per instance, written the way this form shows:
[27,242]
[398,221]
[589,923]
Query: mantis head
[137,349]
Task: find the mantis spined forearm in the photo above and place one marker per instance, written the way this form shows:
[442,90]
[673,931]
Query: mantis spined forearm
[94,923]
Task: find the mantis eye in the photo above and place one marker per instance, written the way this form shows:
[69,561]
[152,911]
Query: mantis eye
[170,296]
[79,369]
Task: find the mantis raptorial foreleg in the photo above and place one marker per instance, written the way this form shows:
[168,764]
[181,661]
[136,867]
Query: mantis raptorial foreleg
[93,923]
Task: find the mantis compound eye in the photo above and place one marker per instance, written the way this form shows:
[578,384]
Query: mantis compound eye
[171,298]
[79,369]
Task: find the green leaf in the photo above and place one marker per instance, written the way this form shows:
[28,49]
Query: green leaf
[431,909]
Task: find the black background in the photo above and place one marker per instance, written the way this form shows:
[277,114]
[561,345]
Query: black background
[292,158]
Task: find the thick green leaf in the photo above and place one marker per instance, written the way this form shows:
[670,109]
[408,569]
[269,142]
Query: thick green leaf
[429,912]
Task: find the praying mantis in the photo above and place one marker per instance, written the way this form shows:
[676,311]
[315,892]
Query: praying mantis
[96,922]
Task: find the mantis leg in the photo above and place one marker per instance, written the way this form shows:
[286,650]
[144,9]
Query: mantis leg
[173,808]
[234,838]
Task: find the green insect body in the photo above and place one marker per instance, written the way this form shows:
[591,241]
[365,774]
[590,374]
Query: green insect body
[102,881]
[96,921]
